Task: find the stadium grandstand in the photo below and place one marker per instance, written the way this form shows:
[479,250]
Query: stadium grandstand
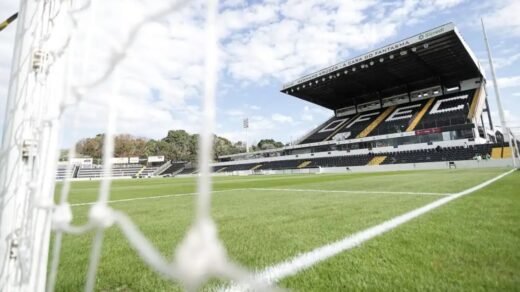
[410,111]
[421,99]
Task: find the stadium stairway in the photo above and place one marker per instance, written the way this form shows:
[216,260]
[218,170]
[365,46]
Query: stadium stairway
[377,160]
[304,164]
[163,168]
[501,152]
[496,153]
[417,119]
[256,167]
[376,122]
[221,169]
[140,171]
[173,168]
[507,152]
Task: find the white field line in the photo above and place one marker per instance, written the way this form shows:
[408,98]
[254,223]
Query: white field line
[261,189]
[151,198]
[292,266]
[348,191]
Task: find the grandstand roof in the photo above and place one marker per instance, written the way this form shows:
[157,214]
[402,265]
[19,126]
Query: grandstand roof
[435,57]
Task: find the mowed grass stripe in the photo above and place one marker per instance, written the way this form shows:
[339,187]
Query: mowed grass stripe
[263,190]
[258,228]
[348,191]
[149,198]
[470,244]
[291,267]
[420,181]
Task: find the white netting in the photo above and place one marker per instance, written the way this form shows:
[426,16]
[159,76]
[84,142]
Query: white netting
[58,41]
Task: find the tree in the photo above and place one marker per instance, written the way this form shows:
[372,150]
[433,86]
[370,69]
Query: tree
[91,147]
[266,144]
[178,145]
[222,146]
[126,145]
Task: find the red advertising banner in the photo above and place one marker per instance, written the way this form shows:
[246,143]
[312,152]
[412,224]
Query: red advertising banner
[428,131]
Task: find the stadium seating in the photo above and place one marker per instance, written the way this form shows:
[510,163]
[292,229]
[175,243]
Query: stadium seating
[121,170]
[189,170]
[400,119]
[324,131]
[61,172]
[148,171]
[174,168]
[448,110]
[455,153]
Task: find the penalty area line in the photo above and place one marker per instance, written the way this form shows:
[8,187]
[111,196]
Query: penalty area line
[303,261]
[349,191]
[151,198]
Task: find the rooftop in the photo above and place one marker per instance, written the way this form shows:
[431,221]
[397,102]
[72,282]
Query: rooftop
[435,57]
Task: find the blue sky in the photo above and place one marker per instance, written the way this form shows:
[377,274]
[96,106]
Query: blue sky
[263,44]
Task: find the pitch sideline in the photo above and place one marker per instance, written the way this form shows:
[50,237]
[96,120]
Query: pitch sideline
[264,189]
[292,266]
[150,198]
[348,191]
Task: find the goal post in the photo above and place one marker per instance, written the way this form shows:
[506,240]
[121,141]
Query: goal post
[28,152]
[40,92]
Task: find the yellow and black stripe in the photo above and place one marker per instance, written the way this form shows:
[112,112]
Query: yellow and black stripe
[8,21]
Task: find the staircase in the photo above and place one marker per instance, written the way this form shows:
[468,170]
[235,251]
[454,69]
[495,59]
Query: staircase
[376,122]
[221,169]
[304,164]
[162,168]
[75,171]
[140,171]
[496,153]
[507,152]
[377,160]
[256,167]
[418,117]
[501,152]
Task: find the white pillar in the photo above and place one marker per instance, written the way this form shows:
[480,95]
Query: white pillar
[28,156]
[505,129]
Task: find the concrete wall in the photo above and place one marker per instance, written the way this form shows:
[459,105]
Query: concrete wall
[493,163]
[423,166]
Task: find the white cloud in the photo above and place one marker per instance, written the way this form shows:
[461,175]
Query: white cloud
[307,115]
[507,82]
[162,76]
[282,118]
[502,62]
[503,17]
[235,113]
[296,37]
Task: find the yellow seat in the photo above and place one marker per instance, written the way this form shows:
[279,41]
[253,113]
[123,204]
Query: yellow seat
[496,153]
[377,160]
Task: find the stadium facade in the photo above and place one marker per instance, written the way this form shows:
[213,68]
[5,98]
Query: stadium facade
[421,99]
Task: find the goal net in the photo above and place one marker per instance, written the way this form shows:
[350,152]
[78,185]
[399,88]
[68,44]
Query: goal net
[73,57]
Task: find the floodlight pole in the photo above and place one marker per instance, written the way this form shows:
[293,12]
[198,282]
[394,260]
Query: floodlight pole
[247,144]
[505,129]
[245,124]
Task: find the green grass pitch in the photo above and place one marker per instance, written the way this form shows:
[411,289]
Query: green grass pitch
[470,244]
